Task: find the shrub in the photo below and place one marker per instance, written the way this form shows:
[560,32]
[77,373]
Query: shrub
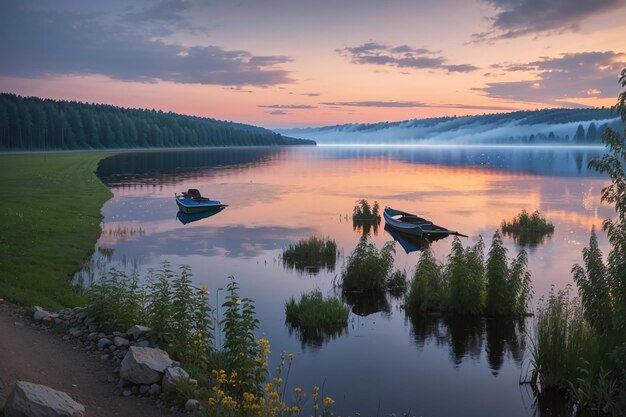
[396,282]
[363,211]
[428,286]
[508,287]
[315,311]
[528,230]
[312,252]
[367,268]
[465,273]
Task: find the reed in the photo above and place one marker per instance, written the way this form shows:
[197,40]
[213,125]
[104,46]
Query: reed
[313,252]
[368,268]
[313,310]
[525,222]
[427,289]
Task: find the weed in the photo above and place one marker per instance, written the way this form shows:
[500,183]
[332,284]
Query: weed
[315,311]
[367,268]
[313,252]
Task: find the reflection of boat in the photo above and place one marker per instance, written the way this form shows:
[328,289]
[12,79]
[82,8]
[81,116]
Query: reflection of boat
[192,202]
[411,243]
[185,218]
[413,225]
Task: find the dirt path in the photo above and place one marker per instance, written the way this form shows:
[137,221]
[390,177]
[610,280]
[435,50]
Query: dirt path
[36,355]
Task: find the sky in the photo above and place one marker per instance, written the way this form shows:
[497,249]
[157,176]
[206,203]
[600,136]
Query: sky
[297,63]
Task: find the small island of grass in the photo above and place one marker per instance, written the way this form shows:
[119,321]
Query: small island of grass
[313,253]
[314,311]
[528,229]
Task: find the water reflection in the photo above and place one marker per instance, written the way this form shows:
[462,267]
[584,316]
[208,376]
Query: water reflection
[365,227]
[185,218]
[368,302]
[411,243]
[530,239]
[466,336]
[315,338]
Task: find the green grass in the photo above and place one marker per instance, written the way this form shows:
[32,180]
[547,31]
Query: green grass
[528,229]
[368,269]
[315,311]
[49,223]
[312,252]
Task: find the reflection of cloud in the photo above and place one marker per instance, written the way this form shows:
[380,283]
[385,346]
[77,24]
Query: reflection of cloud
[516,18]
[402,56]
[52,42]
[279,112]
[228,241]
[570,76]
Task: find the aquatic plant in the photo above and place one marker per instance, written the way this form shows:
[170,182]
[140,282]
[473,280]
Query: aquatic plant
[528,230]
[368,268]
[427,289]
[465,274]
[313,252]
[508,288]
[364,212]
[313,310]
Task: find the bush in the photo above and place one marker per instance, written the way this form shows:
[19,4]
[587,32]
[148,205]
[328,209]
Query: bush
[367,268]
[363,211]
[508,287]
[315,311]
[466,277]
[528,230]
[312,252]
[428,286]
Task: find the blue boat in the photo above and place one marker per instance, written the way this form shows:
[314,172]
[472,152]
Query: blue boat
[413,225]
[191,202]
[185,218]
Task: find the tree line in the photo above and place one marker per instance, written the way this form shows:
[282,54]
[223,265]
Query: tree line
[30,123]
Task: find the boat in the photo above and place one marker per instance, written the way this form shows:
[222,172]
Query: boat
[191,202]
[411,243]
[412,225]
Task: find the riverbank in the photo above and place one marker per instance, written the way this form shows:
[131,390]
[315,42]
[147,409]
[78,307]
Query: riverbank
[49,222]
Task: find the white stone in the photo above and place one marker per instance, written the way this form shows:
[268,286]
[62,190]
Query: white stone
[144,365]
[39,313]
[137,331]
[192,405]
[172,376]
[34,400]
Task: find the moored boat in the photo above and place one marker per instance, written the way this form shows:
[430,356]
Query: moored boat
[192,201]
[413,225]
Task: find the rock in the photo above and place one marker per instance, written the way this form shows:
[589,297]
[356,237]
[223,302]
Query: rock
[105,357]
[144,365]
[120,341]
[104,343]
[47,322]
[34,400]
[66,337]
[39,313]
[137,331]
[172,376]
[112,348]
[127,393]
[143,343]
[118,334]
[155,389]
[192,405]
[75,332]
[18,324]
[144,389]
[81,315]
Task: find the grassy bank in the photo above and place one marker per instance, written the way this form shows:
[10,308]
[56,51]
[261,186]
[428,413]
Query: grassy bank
[49,222]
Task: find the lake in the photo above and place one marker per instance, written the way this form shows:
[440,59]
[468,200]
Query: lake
[384,362]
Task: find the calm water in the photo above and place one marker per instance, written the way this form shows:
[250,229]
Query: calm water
[384,362]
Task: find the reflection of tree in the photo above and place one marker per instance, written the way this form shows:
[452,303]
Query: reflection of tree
[367,302]
[465,336]
[365,227]
[314,337]
[529,238]
[504,335]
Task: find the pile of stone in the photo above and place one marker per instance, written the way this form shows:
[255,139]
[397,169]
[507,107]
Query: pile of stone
[143,368]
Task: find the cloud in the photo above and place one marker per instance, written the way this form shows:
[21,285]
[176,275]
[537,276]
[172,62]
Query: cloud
[402,56]
[38,43]
[558,80]
[416,104]
[516,18]
[279,112]
[305,94]
[286,106]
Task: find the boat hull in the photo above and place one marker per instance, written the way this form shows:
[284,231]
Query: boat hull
[412,225]
[189,206]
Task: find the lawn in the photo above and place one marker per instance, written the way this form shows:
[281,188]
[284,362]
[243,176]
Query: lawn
[49,223]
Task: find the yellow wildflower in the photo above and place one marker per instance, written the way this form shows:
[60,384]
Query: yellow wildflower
[328,402]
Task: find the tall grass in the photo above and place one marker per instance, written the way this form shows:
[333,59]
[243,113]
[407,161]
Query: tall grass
[528,229]
[562,342]
[364,211]
[313,310]
[368,269]
[466,278]
[313,252]
[428,288]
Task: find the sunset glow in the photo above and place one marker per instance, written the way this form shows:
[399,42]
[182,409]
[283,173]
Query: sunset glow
[284,63]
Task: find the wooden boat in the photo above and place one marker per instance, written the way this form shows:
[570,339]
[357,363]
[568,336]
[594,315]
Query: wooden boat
[191,202]
[412,243]
[413,225]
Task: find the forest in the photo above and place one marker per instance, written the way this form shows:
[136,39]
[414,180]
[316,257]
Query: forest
[30,124]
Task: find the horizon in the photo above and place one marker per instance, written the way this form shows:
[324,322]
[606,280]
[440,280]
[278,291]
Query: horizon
[262,64]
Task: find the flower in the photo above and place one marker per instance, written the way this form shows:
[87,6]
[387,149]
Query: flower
[328,402]
[238,301]
[204,289]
